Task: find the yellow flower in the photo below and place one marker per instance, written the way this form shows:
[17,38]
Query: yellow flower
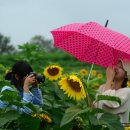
[34,115]
[43,117]
[53,72]
[127,128]
[128,83]
[93,73]
[95,85]
[99,76]
[72,86]
[7,71]
[84,72]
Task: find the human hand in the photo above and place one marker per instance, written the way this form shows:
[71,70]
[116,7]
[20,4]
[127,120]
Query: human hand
[29,80]
[110,74]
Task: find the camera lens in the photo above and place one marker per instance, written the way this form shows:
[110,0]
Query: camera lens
[40,79]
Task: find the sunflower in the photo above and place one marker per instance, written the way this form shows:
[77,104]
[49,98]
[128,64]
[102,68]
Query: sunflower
[53,72]
[127,128]
[7,71]
[72,86]
[84,72]
[43,117]
[93,73]
[128,83]
[99,76]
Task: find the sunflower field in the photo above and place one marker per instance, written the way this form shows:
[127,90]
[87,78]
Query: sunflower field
[68,97]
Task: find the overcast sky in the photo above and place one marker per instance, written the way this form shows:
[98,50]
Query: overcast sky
[22,19]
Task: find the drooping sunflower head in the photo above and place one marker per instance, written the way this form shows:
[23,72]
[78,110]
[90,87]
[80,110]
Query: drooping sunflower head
[43,117]
[73,87]
[53,72]
[84,72]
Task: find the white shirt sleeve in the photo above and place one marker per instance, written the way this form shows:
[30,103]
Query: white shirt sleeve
[123,94]
[27,97]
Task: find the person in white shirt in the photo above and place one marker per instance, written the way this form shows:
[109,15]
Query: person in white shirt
[116,85]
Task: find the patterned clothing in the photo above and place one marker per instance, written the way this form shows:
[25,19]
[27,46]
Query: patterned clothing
[34,96]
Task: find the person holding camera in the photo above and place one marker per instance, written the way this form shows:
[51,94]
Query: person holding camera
[116,85]
[25,81]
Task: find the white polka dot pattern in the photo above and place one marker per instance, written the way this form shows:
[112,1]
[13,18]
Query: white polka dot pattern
[92,43]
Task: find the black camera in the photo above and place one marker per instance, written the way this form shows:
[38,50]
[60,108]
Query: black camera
[39,78]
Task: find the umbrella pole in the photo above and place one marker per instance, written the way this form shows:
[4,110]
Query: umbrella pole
[93,63]
[89,74]
[88,100]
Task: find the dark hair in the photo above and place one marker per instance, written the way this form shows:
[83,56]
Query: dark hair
[21,68]
[124,83]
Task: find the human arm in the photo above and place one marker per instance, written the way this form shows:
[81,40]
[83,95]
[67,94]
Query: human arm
[22,109]
[123,94]
[37,96]
[110,73]
[4,103]
[32,94]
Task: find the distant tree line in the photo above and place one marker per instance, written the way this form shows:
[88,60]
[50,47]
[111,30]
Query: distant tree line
[7,48]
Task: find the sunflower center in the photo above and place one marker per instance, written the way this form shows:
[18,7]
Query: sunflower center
[53,71]
[74,85]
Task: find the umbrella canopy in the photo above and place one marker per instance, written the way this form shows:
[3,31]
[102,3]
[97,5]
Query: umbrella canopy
[90,42]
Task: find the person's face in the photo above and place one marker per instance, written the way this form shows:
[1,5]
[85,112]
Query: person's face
[18,78]
[120,73]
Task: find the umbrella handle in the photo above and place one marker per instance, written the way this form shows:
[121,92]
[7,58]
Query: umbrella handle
[89,74]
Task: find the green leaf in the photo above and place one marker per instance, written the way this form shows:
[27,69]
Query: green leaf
[58,92]
[6,83]
[6,129]
[107,121]
[65,127]
[29,123]
[96,110]
[91,92]
[92,81]
[31,106]
[8,116]
[70,114]
[9,96]
[110,98]
[113,121]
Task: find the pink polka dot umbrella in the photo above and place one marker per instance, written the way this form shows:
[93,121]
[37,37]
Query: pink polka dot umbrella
[92,43]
